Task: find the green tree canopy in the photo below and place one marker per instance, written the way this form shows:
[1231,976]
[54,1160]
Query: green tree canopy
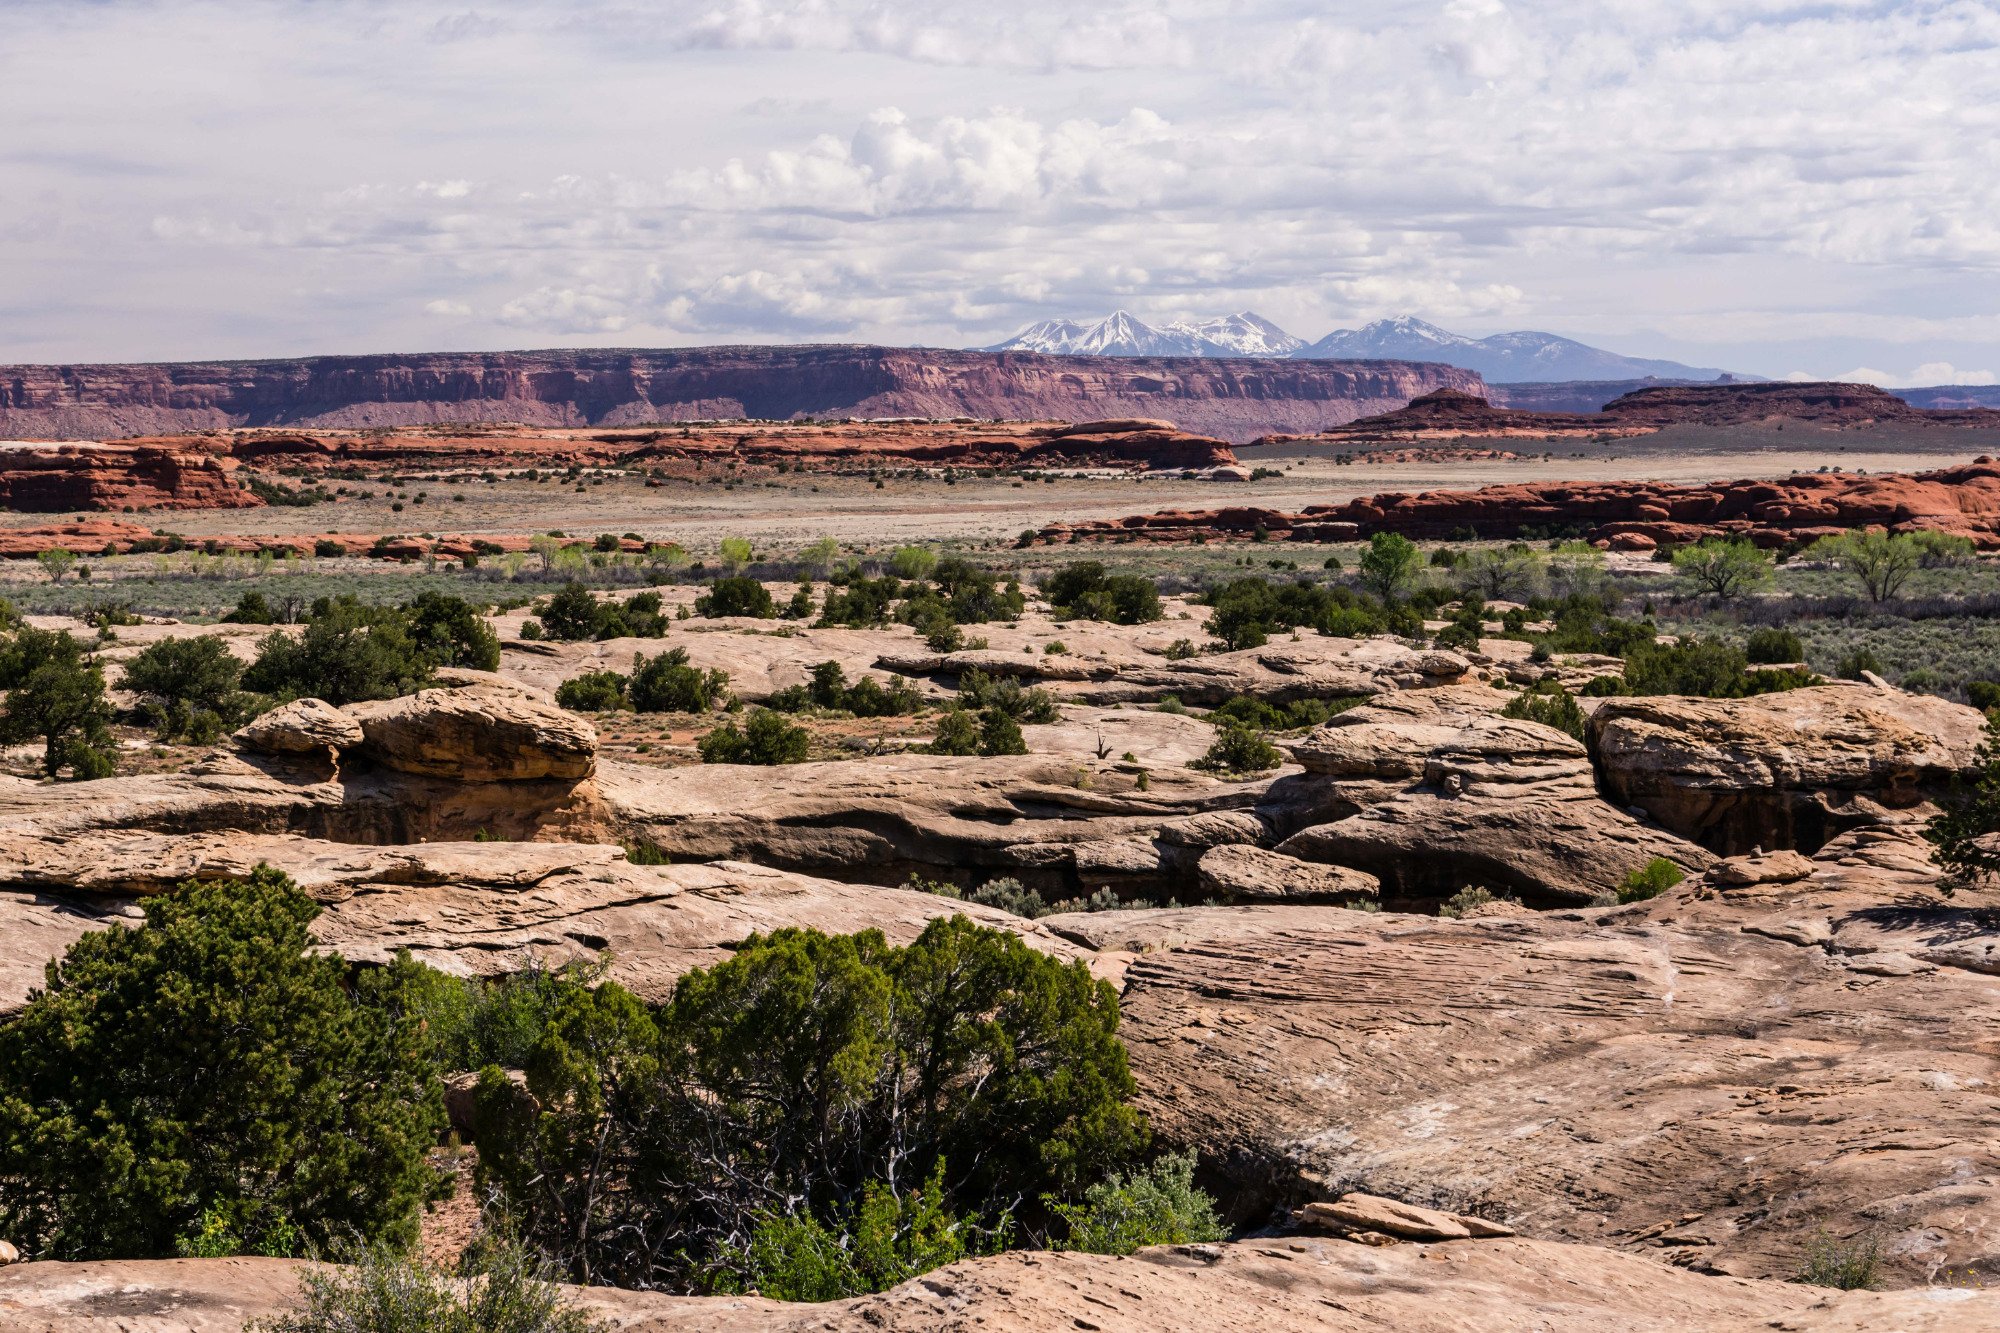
[55,694]
[209,1064]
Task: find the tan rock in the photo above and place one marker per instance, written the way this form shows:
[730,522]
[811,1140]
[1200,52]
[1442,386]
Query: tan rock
[8,1254]
[1785,770]
[1742,872]
[1300,1284]
[1250,874]
[304,726]
[477,733]
[1368,1212]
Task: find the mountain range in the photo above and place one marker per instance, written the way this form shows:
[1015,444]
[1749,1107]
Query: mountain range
[1502,358]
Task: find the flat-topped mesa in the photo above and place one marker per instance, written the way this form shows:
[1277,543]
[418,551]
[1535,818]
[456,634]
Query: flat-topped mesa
[1964,501]
[1231,398]
[1452,413]
[54,479]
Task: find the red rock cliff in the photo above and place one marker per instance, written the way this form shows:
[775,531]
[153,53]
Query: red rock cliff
[1233,399]
[57,478]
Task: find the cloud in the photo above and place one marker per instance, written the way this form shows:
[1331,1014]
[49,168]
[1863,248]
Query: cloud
[206,177]
[1924,376]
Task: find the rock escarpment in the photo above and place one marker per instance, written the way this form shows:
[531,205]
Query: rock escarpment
[171,475]
[1964,501]
[1235,399]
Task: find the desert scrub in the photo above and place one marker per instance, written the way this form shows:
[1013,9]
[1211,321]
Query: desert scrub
[1650,880]
[764,738]
[1239,750]
[1466,899]
[1846,1265]
[1156,1205]
[1549,704]
[502,1289]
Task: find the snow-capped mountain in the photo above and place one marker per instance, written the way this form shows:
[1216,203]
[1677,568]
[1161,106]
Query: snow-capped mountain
[1124,334]
[1503,358]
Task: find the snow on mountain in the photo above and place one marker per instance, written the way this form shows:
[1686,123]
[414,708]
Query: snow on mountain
[1503,358]
[1124,334]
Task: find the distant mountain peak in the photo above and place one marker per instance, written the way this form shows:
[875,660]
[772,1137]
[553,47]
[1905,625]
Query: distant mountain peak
[1502,358]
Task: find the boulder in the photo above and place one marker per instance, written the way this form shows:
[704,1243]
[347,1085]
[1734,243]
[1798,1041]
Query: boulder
[1237,873]
[478,733]
[1432,799]
[1784,770]
[1369,1212]
[304,726]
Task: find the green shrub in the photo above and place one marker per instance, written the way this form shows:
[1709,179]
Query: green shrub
[1033,706]
[1291,716]
[1970,812]
[765,738]
[593,692]
[989,731]
[449,631]
[667,684]
[1650,880]
[1772,647]
[1238,749]
[252,608]
[864,698]
[189,688]
[1085,591]
[1983,694]
[327,549]
[55,695]
[1549,704]
[1846,1265]
[864,603]
[736,596]
[1246,612]
[210,1062]
[649,1146]
[502,1289]
[349,653]
[1467,898]
[1158,1205]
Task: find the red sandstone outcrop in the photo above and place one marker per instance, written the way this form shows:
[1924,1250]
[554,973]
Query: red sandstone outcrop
[1454,414]
[58,478]
[1961,500]
[1236,399]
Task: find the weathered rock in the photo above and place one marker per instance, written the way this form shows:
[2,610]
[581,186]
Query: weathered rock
[1585,1075]
[1298,1284]
[478,733]
[1432,799]
[1783,770]
[304,726]
[1370,1212]
[1739,872]
[1237,873]
[469,908]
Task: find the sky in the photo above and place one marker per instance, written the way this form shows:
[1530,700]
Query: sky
[1774,188]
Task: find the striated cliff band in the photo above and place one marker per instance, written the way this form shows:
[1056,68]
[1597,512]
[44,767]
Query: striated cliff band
[1234,399]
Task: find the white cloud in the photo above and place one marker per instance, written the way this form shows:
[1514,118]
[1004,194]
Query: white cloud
[1706,176]
[1930,373]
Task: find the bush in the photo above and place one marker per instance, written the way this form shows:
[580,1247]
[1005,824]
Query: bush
[1650,880]
[989,731]
[56,695]
[1881,562]
[569,614]
[1155,1206]
[1772,647]
[1549,704]
[593,692]
[1261,716]
[1466,899]
[504,1289]
[737,596]
[829,689]
[1389,565]
[450,631]
[1246,612]
[863,603]
[1849,1265]
[1084,590]
[1034,706]
[349,653]
[329,550]
[1703,668]
[764,738]
[252,608]
[1238,749]
[211,1061]
[667,684]
[651,1146]
[1969,813]
[188,687]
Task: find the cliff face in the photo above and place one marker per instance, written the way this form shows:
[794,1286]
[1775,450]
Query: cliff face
[59,478]
[1235,400]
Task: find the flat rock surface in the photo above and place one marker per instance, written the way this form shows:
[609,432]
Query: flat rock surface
[1580,1077]
[477,733]
[1281,1285]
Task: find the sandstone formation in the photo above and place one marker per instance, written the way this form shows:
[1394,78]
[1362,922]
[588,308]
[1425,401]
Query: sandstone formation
[1454,413]
[1298,1284]
[1234,399]
[71,477]
[1436,804]
[477,733]
[1240,873]
[1964,501]
[1789,769]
